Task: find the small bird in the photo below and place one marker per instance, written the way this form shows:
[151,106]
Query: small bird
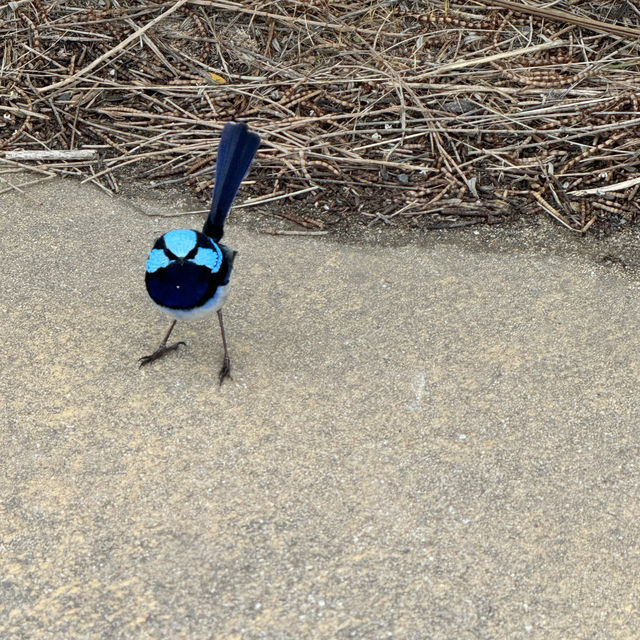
[187,272]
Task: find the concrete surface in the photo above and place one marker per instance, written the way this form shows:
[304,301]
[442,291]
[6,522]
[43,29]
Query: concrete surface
[419,442]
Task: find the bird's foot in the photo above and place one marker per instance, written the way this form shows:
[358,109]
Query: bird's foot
[159,352]
[225,370]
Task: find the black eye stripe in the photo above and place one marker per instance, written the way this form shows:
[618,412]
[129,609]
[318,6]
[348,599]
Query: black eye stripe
[173,256]
[204,242]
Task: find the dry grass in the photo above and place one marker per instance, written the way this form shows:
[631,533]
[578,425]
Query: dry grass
[379,111]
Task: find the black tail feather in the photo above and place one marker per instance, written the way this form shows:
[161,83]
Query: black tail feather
[237,147]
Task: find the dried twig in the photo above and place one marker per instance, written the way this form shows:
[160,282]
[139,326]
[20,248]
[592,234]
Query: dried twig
[437,114]
[53,154]
[119,47]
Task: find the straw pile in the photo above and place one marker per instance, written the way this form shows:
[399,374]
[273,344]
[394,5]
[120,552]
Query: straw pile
[437,114]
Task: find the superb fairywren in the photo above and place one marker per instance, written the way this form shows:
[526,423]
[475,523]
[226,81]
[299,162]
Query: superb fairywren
[187,272]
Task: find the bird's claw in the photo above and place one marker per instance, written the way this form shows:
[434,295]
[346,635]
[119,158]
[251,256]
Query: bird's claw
[225,370]
[159,352]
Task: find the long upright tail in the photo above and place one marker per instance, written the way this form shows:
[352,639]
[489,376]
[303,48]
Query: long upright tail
[237,147]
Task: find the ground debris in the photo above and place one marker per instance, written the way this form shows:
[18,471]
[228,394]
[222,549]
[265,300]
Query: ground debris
[428,115]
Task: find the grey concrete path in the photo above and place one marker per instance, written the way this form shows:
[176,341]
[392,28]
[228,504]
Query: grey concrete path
[421,442]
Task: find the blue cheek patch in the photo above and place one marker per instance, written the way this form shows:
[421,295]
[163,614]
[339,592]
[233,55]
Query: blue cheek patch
[157,260]
[180,241]
[210,258]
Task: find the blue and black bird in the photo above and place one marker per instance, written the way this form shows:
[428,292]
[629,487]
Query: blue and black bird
[188,272]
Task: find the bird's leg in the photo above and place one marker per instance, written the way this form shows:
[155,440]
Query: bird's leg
[162,348]
[225,371]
